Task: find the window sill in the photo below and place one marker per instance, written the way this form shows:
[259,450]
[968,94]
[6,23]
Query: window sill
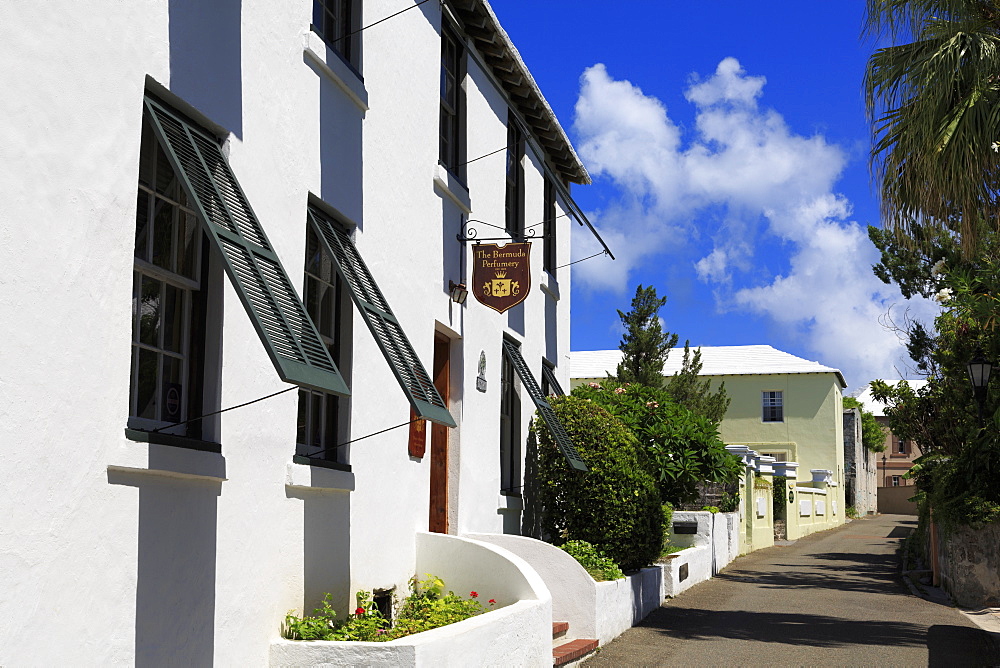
[331,65]
[304,473]
[550,287]
[171,456]
[159,438]
[510,503]
[450,185]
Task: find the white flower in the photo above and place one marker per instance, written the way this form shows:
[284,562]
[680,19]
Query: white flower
[943,295]
[938,268]
[995,146]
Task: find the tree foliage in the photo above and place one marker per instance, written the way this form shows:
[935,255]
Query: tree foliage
[695,394]
[961,462]
[644,345]
[615,505]
[932,99]
[872,433]
[679,447]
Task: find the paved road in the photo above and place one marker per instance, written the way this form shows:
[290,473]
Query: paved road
[831,599]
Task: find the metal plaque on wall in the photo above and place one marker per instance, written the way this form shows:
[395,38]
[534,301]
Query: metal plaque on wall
[501,275]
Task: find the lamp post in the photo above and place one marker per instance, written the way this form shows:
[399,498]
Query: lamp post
[883,471]
[979,375]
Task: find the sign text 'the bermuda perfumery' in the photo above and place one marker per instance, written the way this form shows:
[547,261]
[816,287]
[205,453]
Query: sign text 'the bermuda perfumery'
[501,275]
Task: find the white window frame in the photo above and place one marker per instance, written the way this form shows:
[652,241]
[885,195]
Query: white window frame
[776,400]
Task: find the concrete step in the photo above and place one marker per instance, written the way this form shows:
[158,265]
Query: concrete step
[572,650]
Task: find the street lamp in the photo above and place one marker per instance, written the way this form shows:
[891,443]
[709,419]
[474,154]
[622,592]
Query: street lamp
[979,375]
[883,471]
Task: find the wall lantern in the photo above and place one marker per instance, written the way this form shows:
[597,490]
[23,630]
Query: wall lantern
[459,293]
[979,375]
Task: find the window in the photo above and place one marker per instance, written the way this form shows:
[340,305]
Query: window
[902,446]
[773,408]
[550,384]
[170,305]
[359,283]
[549,253]
[515,179]
[896,480]
[319,416]
[512,355]
[168,300]
[510,428]
[334,21]
[452,148]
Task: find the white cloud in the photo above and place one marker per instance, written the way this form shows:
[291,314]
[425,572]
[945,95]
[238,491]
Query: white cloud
[742,181]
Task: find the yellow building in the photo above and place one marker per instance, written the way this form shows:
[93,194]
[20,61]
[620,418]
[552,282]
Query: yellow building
[782,406]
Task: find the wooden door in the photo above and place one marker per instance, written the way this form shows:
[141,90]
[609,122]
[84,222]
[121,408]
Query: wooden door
[438,520]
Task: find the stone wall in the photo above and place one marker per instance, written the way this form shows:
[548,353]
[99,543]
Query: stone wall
[970,565]
[860,466]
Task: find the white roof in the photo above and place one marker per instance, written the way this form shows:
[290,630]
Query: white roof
[877,408]
[716,361]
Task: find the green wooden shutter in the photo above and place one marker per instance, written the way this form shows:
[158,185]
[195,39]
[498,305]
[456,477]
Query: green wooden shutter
[413,378]
[556,428]
[277,313]
[550,376]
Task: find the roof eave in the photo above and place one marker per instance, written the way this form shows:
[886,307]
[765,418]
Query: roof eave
[492,41]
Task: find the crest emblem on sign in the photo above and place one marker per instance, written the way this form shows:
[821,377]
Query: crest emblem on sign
[501,275]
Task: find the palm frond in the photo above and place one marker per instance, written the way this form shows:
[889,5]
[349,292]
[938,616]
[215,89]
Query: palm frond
[933,108]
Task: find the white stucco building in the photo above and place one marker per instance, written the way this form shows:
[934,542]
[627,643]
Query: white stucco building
[177,175]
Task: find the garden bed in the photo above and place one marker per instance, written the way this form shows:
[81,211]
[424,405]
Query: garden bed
[519,632]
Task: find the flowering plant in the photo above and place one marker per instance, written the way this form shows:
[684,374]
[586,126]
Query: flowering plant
[427,607]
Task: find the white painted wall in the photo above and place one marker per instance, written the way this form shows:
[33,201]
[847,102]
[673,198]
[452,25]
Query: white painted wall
[623,603]
[573,590]
[127,547]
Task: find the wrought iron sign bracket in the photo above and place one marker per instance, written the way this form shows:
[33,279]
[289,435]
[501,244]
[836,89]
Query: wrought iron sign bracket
[471,233]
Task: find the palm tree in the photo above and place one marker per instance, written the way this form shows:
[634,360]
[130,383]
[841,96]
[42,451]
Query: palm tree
[932,99]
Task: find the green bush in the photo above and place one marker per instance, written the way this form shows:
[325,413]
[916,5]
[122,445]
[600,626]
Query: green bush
[668,520]
[729,502]
[780,495]
[615,505]
[679,448]
[600,567]
[668,517]
[427,607]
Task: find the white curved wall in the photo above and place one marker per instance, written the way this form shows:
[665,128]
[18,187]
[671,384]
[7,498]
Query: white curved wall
[517,633]
[574,592]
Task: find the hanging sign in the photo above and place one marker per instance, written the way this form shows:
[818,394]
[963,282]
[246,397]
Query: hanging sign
[501,275]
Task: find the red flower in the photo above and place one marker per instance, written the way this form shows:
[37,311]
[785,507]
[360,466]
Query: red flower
[474,594]
[359,612]
[493,601]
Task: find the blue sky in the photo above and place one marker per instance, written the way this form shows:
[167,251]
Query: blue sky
[728,145]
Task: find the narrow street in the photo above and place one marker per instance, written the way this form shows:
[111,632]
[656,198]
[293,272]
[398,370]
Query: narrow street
[831,599]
